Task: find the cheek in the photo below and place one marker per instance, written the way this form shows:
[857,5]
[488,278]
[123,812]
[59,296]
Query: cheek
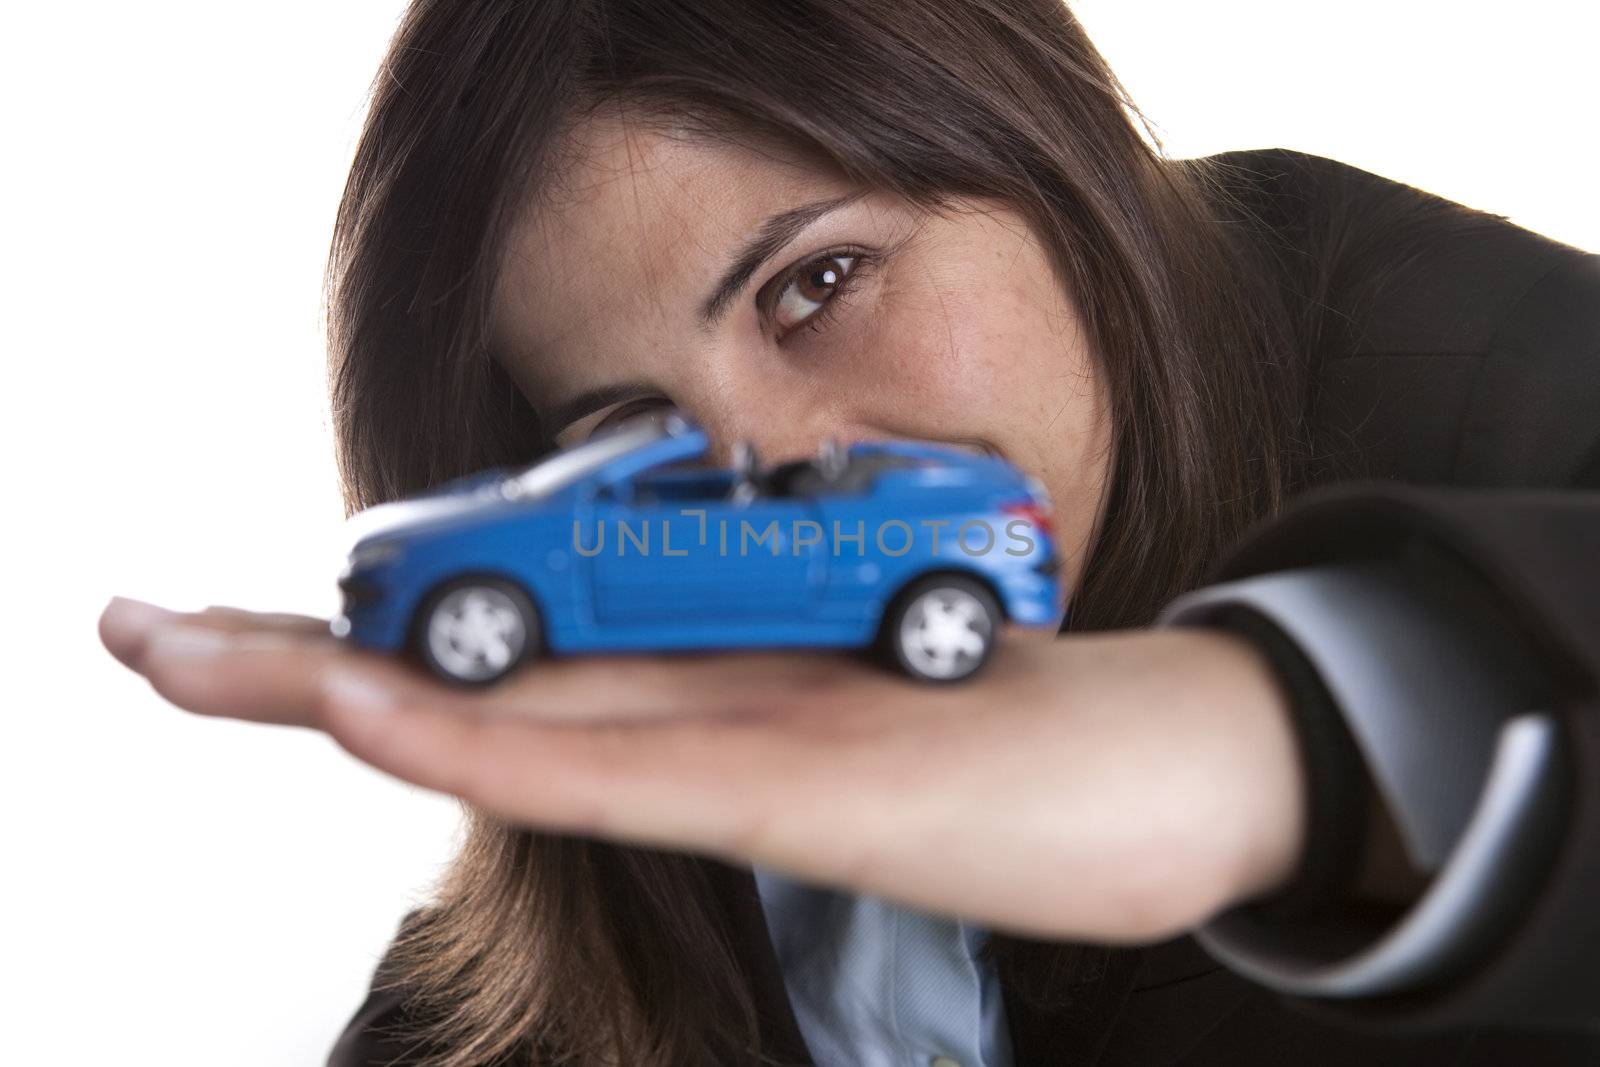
[1001,352]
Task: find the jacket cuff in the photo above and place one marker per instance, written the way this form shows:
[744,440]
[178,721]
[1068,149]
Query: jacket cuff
[1401,686]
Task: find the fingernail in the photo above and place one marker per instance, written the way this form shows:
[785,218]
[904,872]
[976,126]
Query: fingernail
[131,618]
[187,643]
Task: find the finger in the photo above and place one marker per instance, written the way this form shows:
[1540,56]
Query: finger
[733,785]
[231,618]
[125,624]
[261,676]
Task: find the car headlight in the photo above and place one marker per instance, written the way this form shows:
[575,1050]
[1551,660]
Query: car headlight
[364,556]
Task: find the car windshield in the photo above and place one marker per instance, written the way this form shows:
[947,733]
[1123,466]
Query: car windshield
[576,462]
[813,477]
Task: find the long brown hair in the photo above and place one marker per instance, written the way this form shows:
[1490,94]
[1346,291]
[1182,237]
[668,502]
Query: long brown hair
[541,946]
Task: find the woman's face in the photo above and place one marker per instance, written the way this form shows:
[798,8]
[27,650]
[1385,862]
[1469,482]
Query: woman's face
[776,303]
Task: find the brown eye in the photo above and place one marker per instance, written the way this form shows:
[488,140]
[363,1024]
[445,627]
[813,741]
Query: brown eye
[809,288]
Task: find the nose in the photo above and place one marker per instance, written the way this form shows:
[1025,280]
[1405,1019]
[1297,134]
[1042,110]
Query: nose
[737,395]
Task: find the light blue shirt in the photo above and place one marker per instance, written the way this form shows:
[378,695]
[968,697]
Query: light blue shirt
[878,984]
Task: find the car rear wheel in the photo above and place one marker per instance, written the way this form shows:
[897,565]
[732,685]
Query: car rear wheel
[942,628]
[475,631]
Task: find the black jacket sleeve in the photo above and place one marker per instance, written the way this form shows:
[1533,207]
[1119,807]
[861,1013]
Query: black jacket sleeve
[1532,560]
[1472,399]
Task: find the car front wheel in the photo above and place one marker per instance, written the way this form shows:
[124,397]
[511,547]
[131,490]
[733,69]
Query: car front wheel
[942,628]
[475,631]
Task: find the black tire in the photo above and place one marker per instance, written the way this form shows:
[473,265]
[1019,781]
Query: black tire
[935,661]
[442,640]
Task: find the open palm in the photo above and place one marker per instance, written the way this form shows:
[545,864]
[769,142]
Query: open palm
[1118,786]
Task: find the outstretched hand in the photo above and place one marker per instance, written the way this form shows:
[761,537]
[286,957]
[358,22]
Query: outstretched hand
[1119,787]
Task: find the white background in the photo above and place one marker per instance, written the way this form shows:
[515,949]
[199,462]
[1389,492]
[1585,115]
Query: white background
[186,892]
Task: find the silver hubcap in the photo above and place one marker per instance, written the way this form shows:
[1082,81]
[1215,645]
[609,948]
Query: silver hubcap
[476,633]
[945,632]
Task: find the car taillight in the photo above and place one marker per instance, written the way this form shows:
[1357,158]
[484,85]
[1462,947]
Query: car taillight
[1031,512]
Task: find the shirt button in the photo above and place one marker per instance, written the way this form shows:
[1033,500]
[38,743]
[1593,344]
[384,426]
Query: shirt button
[943,1061]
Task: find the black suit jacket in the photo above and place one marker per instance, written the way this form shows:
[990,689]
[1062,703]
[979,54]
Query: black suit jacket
[1454,398]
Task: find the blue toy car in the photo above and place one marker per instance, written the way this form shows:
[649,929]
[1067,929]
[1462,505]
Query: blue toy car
[630,541]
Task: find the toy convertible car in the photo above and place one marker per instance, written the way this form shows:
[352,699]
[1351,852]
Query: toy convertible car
[631,542]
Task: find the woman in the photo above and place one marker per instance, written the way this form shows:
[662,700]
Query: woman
[936,219]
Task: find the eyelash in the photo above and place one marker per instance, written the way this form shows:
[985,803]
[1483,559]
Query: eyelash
[765,298]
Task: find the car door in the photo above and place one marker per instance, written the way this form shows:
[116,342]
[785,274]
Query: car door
[701,562]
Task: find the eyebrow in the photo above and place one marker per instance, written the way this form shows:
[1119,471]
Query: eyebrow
[776,232]
[571,410]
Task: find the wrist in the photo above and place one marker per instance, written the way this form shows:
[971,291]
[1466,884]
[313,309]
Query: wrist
[1262,781]
[1203,754]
